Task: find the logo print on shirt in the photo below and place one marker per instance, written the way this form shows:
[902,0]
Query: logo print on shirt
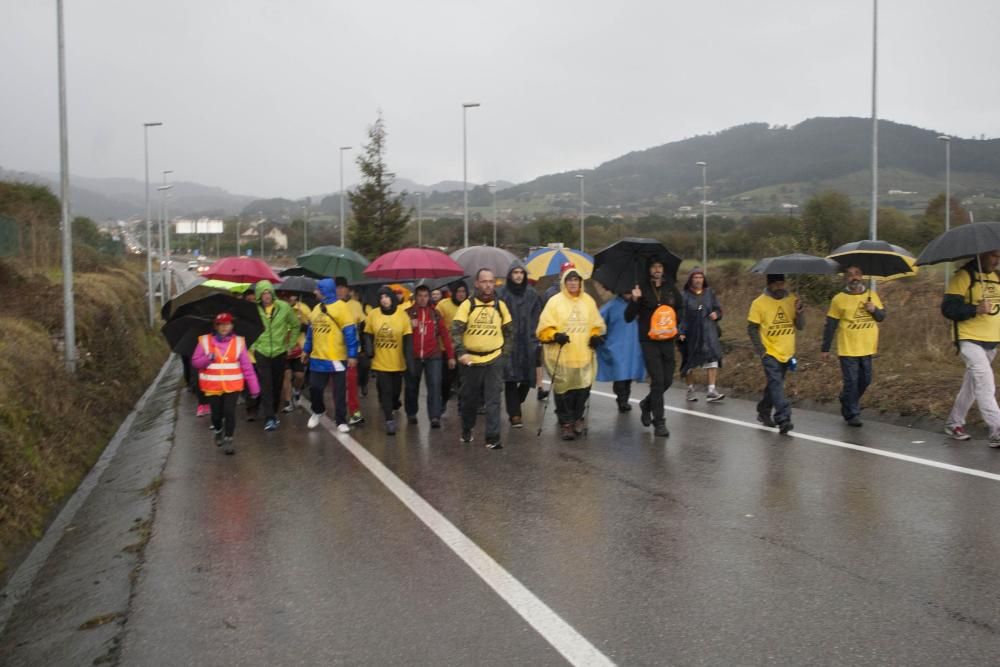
[780,325]
[862,319]
[575,324]
[484,323]
[385,339]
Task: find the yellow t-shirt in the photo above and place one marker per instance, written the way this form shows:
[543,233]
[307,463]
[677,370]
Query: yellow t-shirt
[776,318]
[388,331]
[485,332]
[447,308]
[357,311]
[985,328]
[857,332]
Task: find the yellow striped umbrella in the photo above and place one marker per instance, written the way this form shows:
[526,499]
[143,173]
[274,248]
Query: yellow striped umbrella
[546,262]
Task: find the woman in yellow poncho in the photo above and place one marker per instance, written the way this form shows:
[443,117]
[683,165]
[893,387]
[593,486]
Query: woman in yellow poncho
[570,328]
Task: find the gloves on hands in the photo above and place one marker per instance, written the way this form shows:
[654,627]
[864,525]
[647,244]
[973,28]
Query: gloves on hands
[560,338]
[596,342]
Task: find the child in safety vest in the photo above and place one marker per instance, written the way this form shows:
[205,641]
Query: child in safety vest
[224,368]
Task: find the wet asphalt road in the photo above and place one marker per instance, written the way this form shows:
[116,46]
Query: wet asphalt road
[723,545]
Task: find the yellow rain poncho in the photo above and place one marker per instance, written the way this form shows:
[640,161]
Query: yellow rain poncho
[578,318]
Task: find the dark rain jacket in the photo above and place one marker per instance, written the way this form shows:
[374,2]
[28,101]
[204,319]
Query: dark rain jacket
[525,306]
[701,343]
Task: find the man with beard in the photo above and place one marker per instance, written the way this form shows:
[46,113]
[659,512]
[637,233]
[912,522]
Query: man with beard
[771,323]
[482,333]
[525,306]
[854,315]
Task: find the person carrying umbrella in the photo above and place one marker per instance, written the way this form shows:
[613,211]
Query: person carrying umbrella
[431,347]
[331,346]
[972,303]
[619,360]
[482,332]
[699,334]
[224,369]
[270,350]
[854,316]
[525,306]
[387,342]
[572,326]
[771,323]
[658,307]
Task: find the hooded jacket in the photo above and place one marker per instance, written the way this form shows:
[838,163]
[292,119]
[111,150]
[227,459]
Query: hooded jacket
[387,336]
[430,333]
[332,337]
[620,358]
[281,324]
[525,306]
[577,317]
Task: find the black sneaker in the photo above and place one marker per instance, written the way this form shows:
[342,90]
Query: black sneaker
[435,423]
[227,445]
[661,430]
[466,436]
[765,420]
[218,437]
[390,427]
[854,421]
[411,419]
[624,407]
[646,415]
[493,442]
[785,427]
[542,394]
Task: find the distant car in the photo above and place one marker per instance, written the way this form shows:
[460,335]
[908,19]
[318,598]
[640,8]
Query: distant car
[202,268]
[193,265]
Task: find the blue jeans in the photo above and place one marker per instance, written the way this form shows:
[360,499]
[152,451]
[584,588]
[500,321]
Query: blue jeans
[431,371]
[857,373]
[774,391]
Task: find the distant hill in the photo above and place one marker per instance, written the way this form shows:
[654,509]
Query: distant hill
[815,154]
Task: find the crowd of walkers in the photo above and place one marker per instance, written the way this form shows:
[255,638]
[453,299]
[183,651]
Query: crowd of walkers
[488,348]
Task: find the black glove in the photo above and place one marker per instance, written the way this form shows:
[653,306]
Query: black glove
[560,338]
[596,342]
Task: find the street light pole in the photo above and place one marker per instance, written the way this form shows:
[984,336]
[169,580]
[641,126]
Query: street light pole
[149,226]
[465,171]
[873,221]
[947,196]
[420,219]
[704,214]
[165,283]
[260,232]
[493,189]
[580,176]
[343,226]
[305,229]
[69,313]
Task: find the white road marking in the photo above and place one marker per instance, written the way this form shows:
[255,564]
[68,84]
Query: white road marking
[560,634]
[827,441]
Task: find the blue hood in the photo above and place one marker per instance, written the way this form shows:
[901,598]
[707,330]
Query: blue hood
[328,288]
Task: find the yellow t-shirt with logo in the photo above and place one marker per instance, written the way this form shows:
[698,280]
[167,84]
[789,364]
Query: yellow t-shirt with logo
[986,327]
[857,332]
[388,332]
[776,318]
[484,333]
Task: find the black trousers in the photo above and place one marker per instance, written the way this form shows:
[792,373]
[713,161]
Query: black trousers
[622,389]
[364,371]
[317,385]
[449,382]
[482,383]
[659,358]
[224,412]
[271,373]
[389,384]
[514,394]
[571,405]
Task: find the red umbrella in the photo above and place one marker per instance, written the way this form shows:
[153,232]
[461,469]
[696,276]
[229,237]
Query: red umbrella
[241,270]
[413,263]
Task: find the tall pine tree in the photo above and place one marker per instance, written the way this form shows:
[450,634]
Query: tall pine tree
[379,219]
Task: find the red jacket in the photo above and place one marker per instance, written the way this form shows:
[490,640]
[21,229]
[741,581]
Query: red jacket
[430,334]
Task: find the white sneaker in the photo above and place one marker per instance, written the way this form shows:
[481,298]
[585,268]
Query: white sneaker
[957,432]
[344,428]
[691,397]
[714,396]
[314,420]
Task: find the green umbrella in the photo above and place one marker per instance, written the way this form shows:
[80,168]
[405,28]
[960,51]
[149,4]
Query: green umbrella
[332,261]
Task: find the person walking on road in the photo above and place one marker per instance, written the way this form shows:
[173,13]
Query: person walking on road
[448,307]
[619,360]
[295,370]
[387,342]
[431,349]
[972,303]
[270,350]
[331,346]
[658,307]
[854,316]
[224,370]
[482,332]
[699,335]
[360,312]
[520,374]
[358,316]
[773,318]
[571,328]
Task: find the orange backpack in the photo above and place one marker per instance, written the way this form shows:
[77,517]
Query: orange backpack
[663,323]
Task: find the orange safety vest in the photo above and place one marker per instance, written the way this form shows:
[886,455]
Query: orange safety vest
[223,375]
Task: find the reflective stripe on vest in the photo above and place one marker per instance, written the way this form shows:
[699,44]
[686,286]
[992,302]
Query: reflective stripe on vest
[219,376]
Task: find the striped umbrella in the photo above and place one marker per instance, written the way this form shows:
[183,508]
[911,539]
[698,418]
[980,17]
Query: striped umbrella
[546,262]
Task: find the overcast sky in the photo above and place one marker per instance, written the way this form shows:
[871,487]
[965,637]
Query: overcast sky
[256,95]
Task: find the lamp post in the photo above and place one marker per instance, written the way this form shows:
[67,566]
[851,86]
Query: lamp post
[69,314]
[149,226]
[947,196]
[493,189]
[238,236]
[260,232]
[305,229]
[873,220]
[465,171]
[704,214]
[581,179]
[165,281]
[343,227]
[420,219]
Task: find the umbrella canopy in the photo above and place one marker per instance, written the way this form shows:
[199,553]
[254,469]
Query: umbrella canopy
[796,263]
[330,261]
[195,318]
[299,271]
[413,263]
[227,285]
[198,292]
[299,284]
[589,286]
[621,265]
[241,270]
[546,262]
[961,242]
[876,259]
[477,257]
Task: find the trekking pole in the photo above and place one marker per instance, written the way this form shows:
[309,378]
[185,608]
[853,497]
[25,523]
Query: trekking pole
[552,390]
[586,407]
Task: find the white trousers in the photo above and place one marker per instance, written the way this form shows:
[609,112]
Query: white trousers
[978,386]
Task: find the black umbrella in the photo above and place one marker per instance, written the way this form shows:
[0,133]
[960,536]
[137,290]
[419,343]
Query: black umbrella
[182,332]
[875,258]
[299,271]
[621,265]
[197,292]
[962,242]
[299,284]
[796,263]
